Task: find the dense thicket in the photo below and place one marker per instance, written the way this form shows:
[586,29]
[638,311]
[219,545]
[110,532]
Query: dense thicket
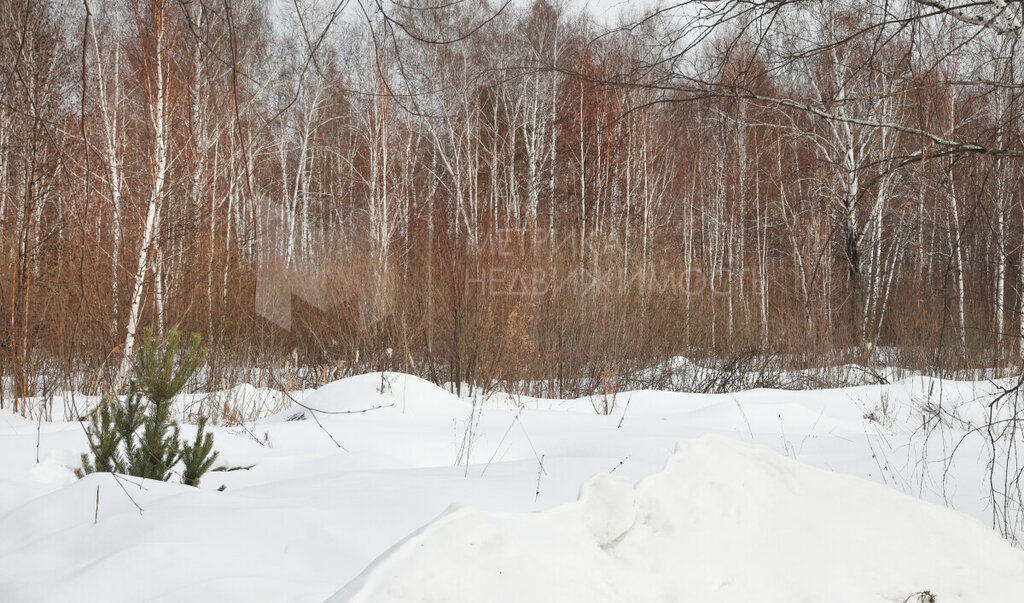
[504,195]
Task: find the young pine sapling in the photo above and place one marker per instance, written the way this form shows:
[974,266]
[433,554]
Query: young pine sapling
[114,434]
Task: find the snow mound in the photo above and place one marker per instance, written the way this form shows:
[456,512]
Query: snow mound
[723,522]
[376,391]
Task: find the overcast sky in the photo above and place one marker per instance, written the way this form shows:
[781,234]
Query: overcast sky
[606,11]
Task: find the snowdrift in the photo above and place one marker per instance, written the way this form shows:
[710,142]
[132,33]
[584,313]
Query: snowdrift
[311,496]
[724,522]
[396,393]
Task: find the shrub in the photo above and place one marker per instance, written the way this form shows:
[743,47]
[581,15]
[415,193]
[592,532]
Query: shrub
[138,437]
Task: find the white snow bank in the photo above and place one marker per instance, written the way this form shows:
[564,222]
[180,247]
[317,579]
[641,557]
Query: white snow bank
[398,392]
[309,504]
[723,522]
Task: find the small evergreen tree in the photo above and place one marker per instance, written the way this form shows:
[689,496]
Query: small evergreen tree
[117,445]
[159,446]
[198,457]
[130,417]
[104,438]
[111,434]
[160,372]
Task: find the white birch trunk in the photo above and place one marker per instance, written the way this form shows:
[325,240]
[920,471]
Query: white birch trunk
[157,110]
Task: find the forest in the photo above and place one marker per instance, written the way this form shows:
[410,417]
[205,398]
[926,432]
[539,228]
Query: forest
[510,195]
[503,301]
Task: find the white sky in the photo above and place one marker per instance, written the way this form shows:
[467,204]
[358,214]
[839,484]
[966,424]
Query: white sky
[605,11]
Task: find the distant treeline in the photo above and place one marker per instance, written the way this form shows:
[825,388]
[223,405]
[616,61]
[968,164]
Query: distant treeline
[503,194]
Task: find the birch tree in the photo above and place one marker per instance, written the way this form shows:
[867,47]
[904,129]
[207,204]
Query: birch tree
[157,36]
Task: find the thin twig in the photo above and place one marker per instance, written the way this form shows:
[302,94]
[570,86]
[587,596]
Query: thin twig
[312,413]
[540,471]
[39,427]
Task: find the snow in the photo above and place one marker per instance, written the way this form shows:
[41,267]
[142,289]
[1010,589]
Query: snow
[244,402]
[388,488]
[724,521]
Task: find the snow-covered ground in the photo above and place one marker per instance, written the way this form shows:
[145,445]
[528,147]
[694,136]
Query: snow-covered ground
[387,488]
